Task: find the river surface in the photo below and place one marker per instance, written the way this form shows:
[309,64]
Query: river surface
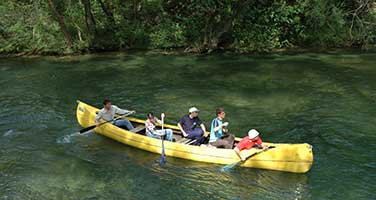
[326,100]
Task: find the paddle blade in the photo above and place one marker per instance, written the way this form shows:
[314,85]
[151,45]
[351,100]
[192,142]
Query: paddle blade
[228,167]
[163,161]
[87,129]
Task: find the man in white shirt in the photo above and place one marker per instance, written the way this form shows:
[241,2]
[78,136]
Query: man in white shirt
[108,113]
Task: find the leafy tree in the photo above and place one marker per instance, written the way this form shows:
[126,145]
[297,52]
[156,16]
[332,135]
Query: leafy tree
[81,26]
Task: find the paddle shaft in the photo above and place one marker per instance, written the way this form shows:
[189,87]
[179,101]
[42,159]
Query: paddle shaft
[94,126]
[227,167]
[163,161]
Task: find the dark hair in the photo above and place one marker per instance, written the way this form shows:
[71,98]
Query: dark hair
[150,115]
[106,101]
[219,110]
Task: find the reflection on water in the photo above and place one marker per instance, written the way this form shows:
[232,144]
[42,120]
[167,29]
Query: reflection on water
[327,100]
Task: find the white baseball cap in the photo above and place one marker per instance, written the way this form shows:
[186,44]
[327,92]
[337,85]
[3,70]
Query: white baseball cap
[193,109]
[253,133]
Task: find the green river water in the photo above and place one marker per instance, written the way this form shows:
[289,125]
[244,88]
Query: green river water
[326,100]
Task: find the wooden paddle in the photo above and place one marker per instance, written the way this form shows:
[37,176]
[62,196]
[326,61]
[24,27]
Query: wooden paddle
[94,126]
[163,161]
[230,166]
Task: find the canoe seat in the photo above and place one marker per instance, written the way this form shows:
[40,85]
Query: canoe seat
[183,140]
[138,129]
[186,141]
[177,132]
[191,142]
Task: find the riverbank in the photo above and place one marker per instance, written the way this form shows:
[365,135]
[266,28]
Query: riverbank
[80,27]
[181,51]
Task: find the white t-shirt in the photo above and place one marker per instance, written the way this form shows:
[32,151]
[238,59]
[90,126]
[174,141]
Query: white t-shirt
[110,114]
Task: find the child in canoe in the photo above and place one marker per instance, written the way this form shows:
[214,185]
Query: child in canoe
[151,131]
[253,139]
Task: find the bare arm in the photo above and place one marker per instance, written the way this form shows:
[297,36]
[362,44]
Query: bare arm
[220,126]
[158,120]
[182,130]
[158,133]
[98,117]
[261,144]
[122,111]
[204,129]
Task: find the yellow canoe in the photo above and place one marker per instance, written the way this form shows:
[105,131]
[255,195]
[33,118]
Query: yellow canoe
[295,158]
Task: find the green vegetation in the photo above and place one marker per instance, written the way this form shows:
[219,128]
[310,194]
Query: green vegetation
[82,26]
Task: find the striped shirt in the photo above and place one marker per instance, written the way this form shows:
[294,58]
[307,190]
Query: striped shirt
[215,135]
[150,125]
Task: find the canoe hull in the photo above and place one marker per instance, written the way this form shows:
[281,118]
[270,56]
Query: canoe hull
[295,158]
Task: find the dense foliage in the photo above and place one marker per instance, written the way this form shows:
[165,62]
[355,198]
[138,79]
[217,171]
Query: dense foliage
[79,26]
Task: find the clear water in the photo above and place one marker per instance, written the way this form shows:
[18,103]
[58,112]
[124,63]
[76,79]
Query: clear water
[327,100]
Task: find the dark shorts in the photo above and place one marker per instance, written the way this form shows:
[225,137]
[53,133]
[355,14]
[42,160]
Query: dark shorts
[226,142]
[197,134]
